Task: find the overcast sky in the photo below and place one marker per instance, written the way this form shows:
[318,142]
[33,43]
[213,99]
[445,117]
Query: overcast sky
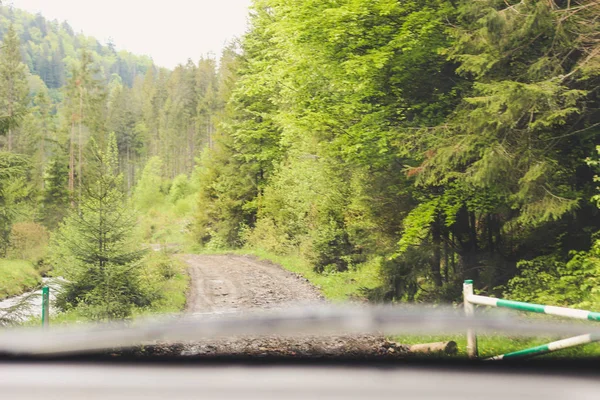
[168,31]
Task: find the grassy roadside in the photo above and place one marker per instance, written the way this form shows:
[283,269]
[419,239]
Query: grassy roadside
[163,274]
[492,345]
[16,277]
[344,286]
[168,278]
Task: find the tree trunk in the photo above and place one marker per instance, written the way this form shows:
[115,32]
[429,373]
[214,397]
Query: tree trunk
[80,149]
[446,259]
[453,256]
[490,232]
[438,347]
[43,153]
[209,132]
[128,166]
[10,132]
[473,231]
[437,259]
[72,160]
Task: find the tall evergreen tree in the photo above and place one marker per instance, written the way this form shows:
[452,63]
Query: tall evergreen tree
[55,194]
[14,193]
[94,248]
[13,84]
[85,97]
[43,109]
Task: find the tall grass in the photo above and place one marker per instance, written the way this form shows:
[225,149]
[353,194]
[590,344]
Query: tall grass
[16,277]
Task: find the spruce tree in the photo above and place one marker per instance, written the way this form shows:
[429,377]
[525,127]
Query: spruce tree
[14,191]
[94,248]
[85,97]
[55,196]
[13,84]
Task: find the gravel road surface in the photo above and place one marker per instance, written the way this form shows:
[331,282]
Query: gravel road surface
[231,283]
[235,283]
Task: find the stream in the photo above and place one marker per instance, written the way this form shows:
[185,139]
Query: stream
[28,305]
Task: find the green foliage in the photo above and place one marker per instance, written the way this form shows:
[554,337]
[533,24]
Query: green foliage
[29,241]
[50,48]
[446,137]
[225,196]
[595,163]
[417,225]
[95,251]
[556,281]
[16,277]
[55,196]
[165,276]
[14,194]
[441,140]
[147,193]
[180,188]
[13,84]
[546,280]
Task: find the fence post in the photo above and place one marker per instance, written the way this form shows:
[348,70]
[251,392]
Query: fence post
[469,311]
[45,306]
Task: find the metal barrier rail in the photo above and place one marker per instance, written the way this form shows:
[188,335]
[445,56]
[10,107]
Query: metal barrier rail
[471,299]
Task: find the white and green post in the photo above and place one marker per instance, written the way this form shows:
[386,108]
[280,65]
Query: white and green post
[471,299]
[469,311]
[548,348]
[45,306]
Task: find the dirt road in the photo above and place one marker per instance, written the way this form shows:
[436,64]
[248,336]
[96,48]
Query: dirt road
[235,283]
[228,283]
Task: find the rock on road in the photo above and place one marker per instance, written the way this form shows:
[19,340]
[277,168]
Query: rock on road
[231,283]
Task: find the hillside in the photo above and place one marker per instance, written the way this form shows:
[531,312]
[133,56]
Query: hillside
[50,49]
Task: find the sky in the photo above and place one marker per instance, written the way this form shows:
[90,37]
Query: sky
[169,31]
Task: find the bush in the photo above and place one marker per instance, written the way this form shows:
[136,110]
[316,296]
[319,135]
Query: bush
[16,277]
[184,206]
[331,248]
[166,281]
[147,193]
[180,188]
[267,236]
[28,241]
[549,280]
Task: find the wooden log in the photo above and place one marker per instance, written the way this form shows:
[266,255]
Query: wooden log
[438,347]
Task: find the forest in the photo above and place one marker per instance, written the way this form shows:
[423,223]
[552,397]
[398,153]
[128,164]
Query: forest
[429,141]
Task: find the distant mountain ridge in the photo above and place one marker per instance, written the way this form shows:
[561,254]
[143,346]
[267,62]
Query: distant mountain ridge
[51,48]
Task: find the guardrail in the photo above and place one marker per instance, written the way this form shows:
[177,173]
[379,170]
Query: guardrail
[470,300]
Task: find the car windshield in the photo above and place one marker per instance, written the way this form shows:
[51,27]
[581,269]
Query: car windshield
[326,180]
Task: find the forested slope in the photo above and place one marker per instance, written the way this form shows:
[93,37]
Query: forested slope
[447,138]
[51,48]
[436,140]
[78,123]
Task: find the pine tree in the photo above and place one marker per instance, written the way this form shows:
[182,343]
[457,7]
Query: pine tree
[43,111]
[55,195]
[94,248]
[85,97]
[14,190]
[208,104]
[13,84]
[147,192]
